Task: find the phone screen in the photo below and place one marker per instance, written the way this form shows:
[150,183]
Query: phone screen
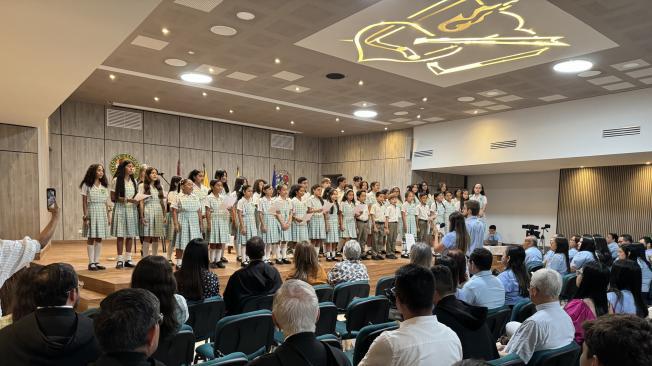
[51,194]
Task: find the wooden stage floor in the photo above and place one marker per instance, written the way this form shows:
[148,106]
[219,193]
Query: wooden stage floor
[98,284]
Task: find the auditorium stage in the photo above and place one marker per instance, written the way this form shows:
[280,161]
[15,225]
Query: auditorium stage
[100,283]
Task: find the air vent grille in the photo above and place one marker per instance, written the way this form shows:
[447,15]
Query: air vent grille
[623,131]
[124,119]
[502,144]
[422,153]
[285,142]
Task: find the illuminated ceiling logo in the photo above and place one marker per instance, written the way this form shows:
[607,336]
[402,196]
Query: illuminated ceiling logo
[454,35]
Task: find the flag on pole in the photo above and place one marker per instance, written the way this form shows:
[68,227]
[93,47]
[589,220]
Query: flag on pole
[237,172]
[205,182]
[179,167]
[274,178]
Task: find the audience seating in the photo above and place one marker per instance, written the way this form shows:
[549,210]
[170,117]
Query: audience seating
[384,284]
[234,359]
[330,339]
[254,303]
[324,293]
[509,360]
[365,338]
[496,320]
[523,310]
[203,315]
[176,350]
[534,266]
[363,312]
[91,312]
[564,356]
[251,333]
[325,324]
[568,287]
[345,292]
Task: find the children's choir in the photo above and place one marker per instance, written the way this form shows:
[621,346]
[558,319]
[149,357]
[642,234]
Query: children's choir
[323,216]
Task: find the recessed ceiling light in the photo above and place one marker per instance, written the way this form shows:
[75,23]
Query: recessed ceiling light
[364,104]
[111,76]
[365,113]
[191,52]
[296,88]
[421,108]
[337,119]
[573,66]
[245,15]
[156,99]
[631,65]
[278,108]
[581,166]
[277,60]
[400,113]
[230,111]
[222,30]
[291,122]
[492,93]
[165,31]
[648,163]
[341,131]
[588,74]
[418,116]
[175,62]
[361,83]
[424,99]
[385,128]
[204,93]
[192,77]
[466,99]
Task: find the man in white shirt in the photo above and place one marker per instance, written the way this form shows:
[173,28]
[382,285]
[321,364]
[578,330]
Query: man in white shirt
[420,339]
[483,289]
[550,327]
[16,254]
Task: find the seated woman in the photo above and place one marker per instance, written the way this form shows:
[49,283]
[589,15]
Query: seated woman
[306,266]
[625,289]
[420,254]
[350,269]
[462,271]
[515,278]
[636,252]
[154,273]
[559,259]
[590,300]
[585,255]
[457,238]
[194,280]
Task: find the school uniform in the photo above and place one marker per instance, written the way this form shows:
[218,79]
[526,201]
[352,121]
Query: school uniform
[410,210]
[248,211]
[378,214]
[399,227]
[316,225]
[172,198]
[272,235]
[125,214]
[201,192]
[299,229]
[482,199]
[362,225]
[449,208]
[391,214]
[348,220]
[220,220]
[153,213]
[333,234]
[187,206]
[438,210]
[97,198]
[285,209]
[423,215]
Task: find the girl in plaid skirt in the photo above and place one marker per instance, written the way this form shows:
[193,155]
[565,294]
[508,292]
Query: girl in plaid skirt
[347,222]
[299,211]
[333,224]
[152,211]
[317,224]
[187,216]
[268,217]
[219,224]
[285,223]
[96,208]
[246,219]
[125,214]
[172,198]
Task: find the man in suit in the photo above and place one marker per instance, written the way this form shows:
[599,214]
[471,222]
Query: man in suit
[295,312]
[54,334]
[467,321]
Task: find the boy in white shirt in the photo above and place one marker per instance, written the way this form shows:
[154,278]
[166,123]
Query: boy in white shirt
[391,223]
[377,214]
[423,216]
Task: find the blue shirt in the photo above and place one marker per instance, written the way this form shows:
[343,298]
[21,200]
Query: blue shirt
[626,305]
[449,240]
[571,253]
[475,227]
[496,236]
[581,258]
[483,289]
[557,262]
[613,248]
[510,284]
[533,254]
[647,275]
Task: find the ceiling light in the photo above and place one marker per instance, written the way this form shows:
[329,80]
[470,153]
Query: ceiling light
[581,166]
[211,70]
[337,119]
[631,65]
[296,88]
[222,30]
[424,99]
[292,122]
[165,31]
[573,66]
[385,128]
[492,93]
[364,104]
[365,113]
[361,83]
[277,60]
[191,52]
[111,76]
[466,99]
[475,111]
[156,99]
[245,15]
[175,62]
[204,93]
[230,111]
[418,116]
[648,163]
[588,74]
[421,108]
[278,108]
[192,77]
[341,131]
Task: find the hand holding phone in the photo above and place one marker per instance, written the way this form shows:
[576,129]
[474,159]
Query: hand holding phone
[51,198]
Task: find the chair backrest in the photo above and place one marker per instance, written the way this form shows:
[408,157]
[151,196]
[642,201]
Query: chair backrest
[91,312]
[567,355]
[366,337]
[367,311]
[534,266]
[177,349]
[260,302]
[497,319]
[345,292]
[384,284]
[327,319]
[248,333]
[233,359]
[510,360]
[204,315]
[324,293]
[523,310]
[331,340]
[568,287]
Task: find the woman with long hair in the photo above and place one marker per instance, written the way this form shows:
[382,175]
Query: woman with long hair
[306,266]
[586,253]
[636,253]
[269,225]
[97,210]
[515,278]
[125,213]
[559,260]
[194,280]
[590,300]
[299,211]
[152,211]
[317,223]
[172,198]
[625,289]
[480,196]
[154,273]
[602,251]
[223,177]
[460,259]
[201,191]
[333,223]
[458,237]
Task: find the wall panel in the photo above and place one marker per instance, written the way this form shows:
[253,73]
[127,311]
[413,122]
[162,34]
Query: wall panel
[228,162]
[254,167]
[160,129]
[349,148]
[55,179]
[54,121]
[395,143]
[227,138]
[82,119]
[397,173]
[195,159]
[372,170]
[19,198]
[18,138]
[123,134]
[372,146]
[255,142]
[350,169]
[163,158]
[306,148]
[329,150]
[306,169]
[282,153]
[195,133]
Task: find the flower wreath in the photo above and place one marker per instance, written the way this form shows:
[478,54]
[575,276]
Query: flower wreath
[115,162]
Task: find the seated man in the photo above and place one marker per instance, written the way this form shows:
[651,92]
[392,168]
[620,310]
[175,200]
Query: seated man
[257,278]
[550,327]
[295,312]
[350,269]
[127,328]
[467,321]
[532,253]
[421,339]
[54,334]
[493,237]
[483,289]
[617,340]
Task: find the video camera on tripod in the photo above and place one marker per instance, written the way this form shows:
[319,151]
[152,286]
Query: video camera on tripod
[532,230]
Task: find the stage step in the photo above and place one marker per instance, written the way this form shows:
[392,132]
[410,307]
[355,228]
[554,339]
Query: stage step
[106,281]
[89,299]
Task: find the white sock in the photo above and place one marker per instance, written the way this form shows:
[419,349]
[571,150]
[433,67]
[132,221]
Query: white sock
[145,249]
[218,255]
[98,252]
[91,253]
[155,248]
[284,250]
[119,259]
[238,250]
[268,249]
[178,262]
[276,251]
[128,256]
[317,251]
[170,250]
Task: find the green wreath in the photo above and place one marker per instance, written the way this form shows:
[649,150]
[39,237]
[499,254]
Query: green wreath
[115,162]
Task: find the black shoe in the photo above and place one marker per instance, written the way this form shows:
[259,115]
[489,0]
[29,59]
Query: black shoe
[129,264]
[286,261]
[365,257]
[405,255]
[99,267]
[224,260]
[390,256]
[278,261]
[119,265]
[220,265]
[92,267]
[338,254]
[383,252]
[239,259]
[380,257]
[212,265]
[171,263]
[270,262]
[244,264]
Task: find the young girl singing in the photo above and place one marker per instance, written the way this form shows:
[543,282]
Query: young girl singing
[125,214]
[333,224]
[269,223]
[285,223]
[187,216]
[96,208]
[347,220]
[299,211]
[172,198]
[246,219]
[219,224]
[152,211]
[317,224]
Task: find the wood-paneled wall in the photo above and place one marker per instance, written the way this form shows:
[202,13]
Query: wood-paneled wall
[606,199]
[453,181]
[79,137]
[19,179]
